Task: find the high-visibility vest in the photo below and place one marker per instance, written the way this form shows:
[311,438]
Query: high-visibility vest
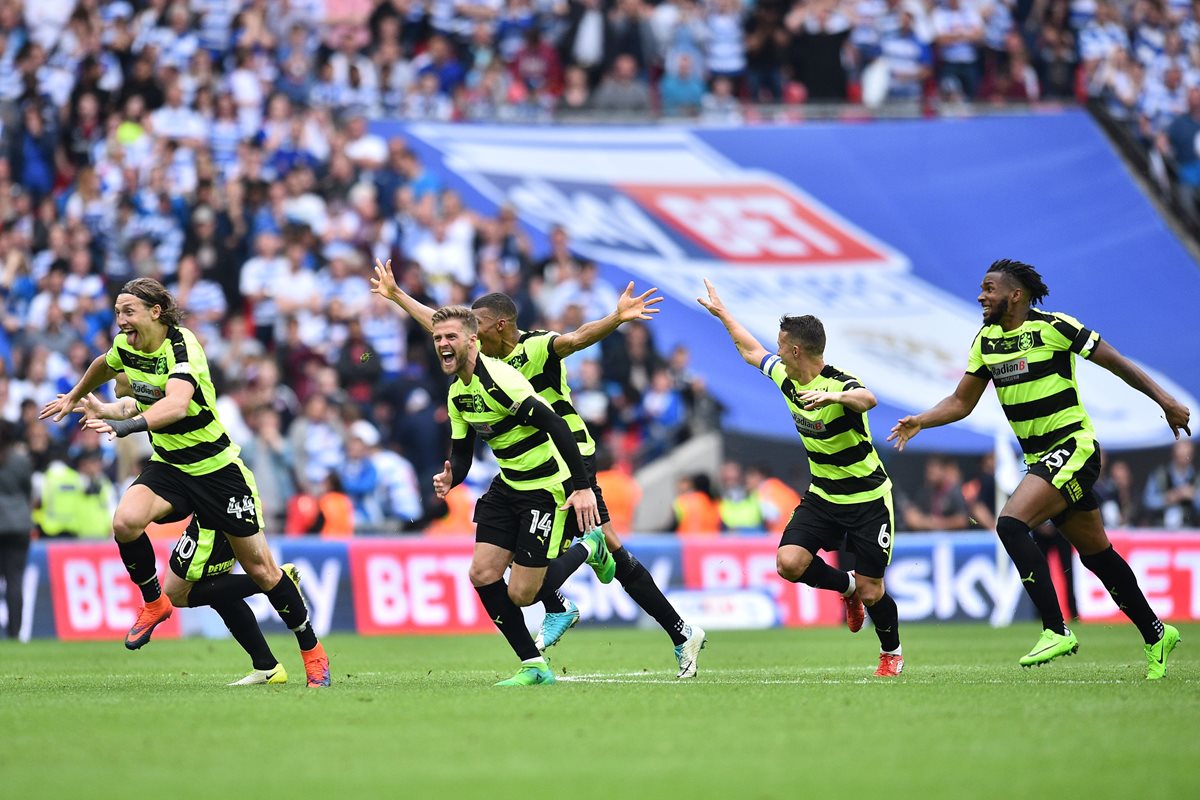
[68,507]
[743,514]
[697,513]
[778,501]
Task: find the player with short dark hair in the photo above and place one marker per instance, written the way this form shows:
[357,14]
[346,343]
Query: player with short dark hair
[195,469]
[539,355]
[1029,355]
[850,497]
[526,514]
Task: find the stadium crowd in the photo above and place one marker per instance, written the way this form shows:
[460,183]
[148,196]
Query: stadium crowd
[223,147]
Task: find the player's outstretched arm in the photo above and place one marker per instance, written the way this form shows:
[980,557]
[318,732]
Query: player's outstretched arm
[167,411]
[98,373]
[748,347]
[384,284]
[629,308]
[92,408]
[951,409]
[858,400]
[1177,414]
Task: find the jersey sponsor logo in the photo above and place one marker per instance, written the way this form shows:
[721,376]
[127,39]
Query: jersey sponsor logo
[482,428]
[1009,371]
[1028,340]
[146,393]
[805,425]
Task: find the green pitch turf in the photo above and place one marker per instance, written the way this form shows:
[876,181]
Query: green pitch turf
[772,714]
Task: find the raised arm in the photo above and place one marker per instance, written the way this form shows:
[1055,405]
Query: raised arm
[628,309]
[166,412]
[951,409]
[98,373]
[384,284]
[1177,414]
[748,347]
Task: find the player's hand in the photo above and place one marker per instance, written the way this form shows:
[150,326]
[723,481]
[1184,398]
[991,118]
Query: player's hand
[90,407]
[630,308]
[713,303]
[442,482]
[814,400]
[587,513]
[902,431]
[1178,417]
[58,408]
[384,282]
[100,426]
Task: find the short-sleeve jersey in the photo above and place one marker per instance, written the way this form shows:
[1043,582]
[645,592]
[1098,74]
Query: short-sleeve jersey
[844,465]
[488,403]
[198,443]
[536,359]
[1033,370]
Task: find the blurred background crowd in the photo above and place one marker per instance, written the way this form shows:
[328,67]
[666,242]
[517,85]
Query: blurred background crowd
[224,147]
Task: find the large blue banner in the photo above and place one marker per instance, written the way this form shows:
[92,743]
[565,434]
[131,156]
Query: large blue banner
[883,230]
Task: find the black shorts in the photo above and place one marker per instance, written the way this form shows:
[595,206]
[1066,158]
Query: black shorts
[868,529]
[531,524]
[225,500]
[1072,467]
[201,553]
[590,463]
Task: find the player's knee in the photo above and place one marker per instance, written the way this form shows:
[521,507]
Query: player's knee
[265,574]
[178,593]
[522,595]
[484,574]
[127,526]
[869,592]
[792,566]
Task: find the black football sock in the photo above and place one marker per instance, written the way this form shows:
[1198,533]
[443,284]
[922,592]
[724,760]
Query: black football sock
[555,603]
[1122,585]
[508,619]
[221,589]
[241,623]
[820,575]
[138,557]
[289,604]
[640,585]
[1033,569]
[561,568]
[886,619]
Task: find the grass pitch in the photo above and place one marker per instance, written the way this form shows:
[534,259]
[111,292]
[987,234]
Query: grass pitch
[772,714]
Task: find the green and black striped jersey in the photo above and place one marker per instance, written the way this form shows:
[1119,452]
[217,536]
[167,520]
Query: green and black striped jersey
[534,356]
[528,458]
[845,467]
[198,443]
[1033,370]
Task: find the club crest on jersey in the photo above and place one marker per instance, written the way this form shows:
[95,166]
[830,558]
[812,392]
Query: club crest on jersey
[1025,341]
[517,360]
[160,366]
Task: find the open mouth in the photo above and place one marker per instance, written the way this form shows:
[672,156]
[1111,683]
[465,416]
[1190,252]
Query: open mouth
[447,357]
[130,335]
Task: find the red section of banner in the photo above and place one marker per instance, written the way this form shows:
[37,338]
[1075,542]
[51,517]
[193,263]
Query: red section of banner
[415,586]
[750,564]
[1167,566]
[93,596]
[756,223]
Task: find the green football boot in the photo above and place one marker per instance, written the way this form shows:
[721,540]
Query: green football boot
[601,560]
[1049,647]
[530,675]
[1157,653]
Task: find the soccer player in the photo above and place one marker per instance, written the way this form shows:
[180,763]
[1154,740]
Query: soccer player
[1029,355]
[195,469]
[850,497]
[539,356]
[525,515]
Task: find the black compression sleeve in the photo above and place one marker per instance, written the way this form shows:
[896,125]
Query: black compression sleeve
[462,452]
[539,415]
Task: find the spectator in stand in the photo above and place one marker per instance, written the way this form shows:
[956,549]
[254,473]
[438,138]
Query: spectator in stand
[588,40]
[1056,60]
[909,60]
[725,49]
[696,510]
[739,506]
[318,441]
[622,91]
[681,89]
[958,31]
[621,490]
[201,300]
[776,500]
[1181,142]
[719,106]
[820,33]
[268,455]
[661,415]
[1117,495]
[979,494]
[940,505]
[766,43]
[358,476]
[1172,495]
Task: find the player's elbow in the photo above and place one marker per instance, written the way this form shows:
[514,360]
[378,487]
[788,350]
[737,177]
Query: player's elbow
[868,399]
